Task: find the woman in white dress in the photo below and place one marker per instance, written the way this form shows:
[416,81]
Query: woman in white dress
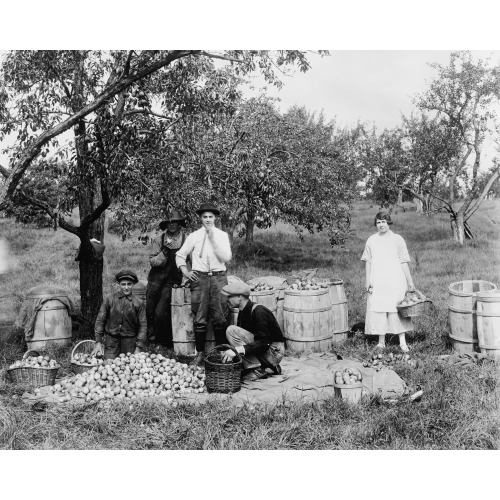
[387,280]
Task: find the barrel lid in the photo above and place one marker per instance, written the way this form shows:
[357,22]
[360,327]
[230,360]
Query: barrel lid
[46,290]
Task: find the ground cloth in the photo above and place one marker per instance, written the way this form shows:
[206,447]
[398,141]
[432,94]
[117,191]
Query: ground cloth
[305,379]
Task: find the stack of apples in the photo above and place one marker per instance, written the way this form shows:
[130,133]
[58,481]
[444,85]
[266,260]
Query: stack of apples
[35,362]
[260,287]
[307,284]
[348,376]
[133,376]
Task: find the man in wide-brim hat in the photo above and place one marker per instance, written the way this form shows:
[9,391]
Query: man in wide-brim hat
[209,249]
[163,275]
[257,336]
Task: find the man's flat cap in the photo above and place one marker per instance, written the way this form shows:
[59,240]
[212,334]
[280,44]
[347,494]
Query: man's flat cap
[126,274]
[238,288]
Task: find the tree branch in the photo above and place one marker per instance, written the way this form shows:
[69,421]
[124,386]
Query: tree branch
[218,56]
[118,86]
[495,175]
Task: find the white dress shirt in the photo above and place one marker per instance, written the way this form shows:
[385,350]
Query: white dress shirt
[204,257]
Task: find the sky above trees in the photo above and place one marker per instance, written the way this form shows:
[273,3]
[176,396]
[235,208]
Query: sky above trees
[373,86]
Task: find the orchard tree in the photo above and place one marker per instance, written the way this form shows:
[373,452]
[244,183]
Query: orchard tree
[465,95]
[46,93]
[259,166]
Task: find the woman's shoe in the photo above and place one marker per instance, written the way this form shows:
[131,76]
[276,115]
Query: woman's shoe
[380,346]
[405,348]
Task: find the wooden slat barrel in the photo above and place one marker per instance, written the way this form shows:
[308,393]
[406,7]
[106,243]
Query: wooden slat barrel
[52,323]
[488,323]
[268,298]
[279,308]
[462,313]
[182,324]
[308,320]
[340,317]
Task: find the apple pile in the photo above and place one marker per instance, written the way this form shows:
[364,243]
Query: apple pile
[132,376]
[307,284]
[35,362]
[379,361]
[348,377]
[260,287]
[86,360]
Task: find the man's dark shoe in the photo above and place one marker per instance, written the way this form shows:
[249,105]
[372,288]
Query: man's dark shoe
[199,360]
[275,368]
[256,374]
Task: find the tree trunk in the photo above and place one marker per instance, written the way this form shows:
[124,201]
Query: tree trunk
[249,227]
[457,225]
[400,197]
[419,204]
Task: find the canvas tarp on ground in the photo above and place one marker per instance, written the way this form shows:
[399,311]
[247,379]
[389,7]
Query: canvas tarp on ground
[305,379]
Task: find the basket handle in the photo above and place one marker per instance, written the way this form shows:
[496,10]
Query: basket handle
[77,345]
[30,352]
[223,347]
[419,294]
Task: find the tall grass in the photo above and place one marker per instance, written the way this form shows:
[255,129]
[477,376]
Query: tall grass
[459,409]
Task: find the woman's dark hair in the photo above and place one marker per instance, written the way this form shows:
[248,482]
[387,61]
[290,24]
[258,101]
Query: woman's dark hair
[383,216]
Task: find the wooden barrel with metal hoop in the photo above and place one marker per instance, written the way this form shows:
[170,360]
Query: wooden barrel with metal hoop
[488,323]
[307,318]
[182,324]
[462,313]
[52,323]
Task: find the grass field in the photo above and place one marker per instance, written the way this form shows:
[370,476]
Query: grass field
[459,409]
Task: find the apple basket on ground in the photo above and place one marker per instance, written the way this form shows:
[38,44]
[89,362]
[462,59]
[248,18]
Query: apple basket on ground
[82,359]
[414,304]
[35,369]
[347,384]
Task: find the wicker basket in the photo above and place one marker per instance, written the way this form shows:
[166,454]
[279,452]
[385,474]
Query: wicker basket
[219,376]
[417,309]
[37,377]
[83,347]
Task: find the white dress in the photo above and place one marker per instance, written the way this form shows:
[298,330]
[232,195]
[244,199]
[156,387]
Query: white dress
[386,253]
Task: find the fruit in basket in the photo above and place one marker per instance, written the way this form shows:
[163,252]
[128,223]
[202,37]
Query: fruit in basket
[348,376]
[85,359]
[35,362]
[131,376]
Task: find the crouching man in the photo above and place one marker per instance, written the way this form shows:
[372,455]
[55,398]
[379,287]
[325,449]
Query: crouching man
[257,336]
[121,323]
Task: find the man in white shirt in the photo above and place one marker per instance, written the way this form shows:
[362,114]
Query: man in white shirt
[210,250]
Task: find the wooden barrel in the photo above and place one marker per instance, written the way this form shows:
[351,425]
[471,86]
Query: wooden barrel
[52,323]
[182,324]
[488,323]
[462,313]
[268,298]
[340,316]
[307,318]
[279,308]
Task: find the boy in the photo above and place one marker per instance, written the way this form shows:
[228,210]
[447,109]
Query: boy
[121,322]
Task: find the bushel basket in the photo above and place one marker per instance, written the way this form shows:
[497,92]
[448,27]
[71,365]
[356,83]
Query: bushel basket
[37,377]
[83,347]
[419,308]
[219,376]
